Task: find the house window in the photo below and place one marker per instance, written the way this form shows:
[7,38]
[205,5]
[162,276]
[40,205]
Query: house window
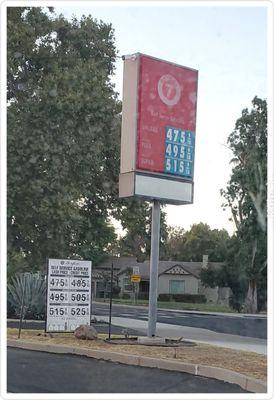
[127,285]
[176,287]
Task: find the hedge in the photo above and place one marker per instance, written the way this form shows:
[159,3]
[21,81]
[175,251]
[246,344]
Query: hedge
[125,296]
[182,298]
[143,296]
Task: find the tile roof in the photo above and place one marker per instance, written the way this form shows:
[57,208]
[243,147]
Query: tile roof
[122,263]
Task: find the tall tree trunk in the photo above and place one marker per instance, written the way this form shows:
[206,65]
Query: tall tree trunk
[251,303]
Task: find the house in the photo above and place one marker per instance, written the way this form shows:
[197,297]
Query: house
[101,272]
[174,277]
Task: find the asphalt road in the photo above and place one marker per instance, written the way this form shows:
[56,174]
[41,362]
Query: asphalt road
[255,327]
[38,372]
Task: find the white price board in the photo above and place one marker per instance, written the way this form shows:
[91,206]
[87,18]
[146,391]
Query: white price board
[68,294]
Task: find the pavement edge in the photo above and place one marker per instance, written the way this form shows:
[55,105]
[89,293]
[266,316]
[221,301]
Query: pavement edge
[245,382]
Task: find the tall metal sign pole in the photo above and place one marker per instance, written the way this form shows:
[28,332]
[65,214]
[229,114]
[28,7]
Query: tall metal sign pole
[157,143]
[153,276]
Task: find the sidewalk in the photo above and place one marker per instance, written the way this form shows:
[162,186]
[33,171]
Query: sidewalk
[194,334]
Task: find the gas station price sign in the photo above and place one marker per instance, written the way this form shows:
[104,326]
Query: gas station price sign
[179,155]
[158,130]
[68,295]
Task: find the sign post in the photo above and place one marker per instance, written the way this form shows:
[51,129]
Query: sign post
[157,143]
[153,276]
[110,303]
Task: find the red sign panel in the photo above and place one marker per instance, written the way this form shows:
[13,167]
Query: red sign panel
[167,96]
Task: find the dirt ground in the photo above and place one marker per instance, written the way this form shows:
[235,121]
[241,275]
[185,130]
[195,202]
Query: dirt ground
[247,363]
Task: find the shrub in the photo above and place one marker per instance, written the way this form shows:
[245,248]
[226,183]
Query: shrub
[10,310]
[34,288]
[182,298]
[125,296]
[100,294]
[236,303]
[116,290]
[165,297]
[189,298]
[143,296]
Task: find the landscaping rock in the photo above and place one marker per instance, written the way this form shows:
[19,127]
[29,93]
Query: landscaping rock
[85,332]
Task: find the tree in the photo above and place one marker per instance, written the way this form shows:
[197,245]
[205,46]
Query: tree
[245,195]
[105,284]
[175,243]
[63,136]
[193,244]
[231,274]
[135,218]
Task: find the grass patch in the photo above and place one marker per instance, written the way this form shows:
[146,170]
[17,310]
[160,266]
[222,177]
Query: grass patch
[247,363]
[176,305]
[195,307]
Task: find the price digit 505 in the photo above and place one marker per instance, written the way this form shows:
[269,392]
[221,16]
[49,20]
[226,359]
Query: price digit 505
[79,297]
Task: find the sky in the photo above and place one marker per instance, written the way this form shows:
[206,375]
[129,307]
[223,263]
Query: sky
[228,46]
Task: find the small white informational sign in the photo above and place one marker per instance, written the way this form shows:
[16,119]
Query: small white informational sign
[135,270]
[68,295]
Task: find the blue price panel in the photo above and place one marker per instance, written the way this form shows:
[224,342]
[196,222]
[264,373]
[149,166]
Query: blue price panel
[179,152]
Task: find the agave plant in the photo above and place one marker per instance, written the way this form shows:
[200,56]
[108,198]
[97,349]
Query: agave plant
[30,290]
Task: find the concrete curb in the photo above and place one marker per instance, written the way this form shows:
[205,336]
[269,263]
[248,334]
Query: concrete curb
[245,382]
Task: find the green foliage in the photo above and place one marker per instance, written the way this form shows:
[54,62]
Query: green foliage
[105,283]
[182,298]
[175,243]
[230,274]
[63,136]
[245,195]
[143,296]
[125,296]
[116,290]
[31,290]
[16,264]
[135,218]
[193,244]
[246,190]
[64,142]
